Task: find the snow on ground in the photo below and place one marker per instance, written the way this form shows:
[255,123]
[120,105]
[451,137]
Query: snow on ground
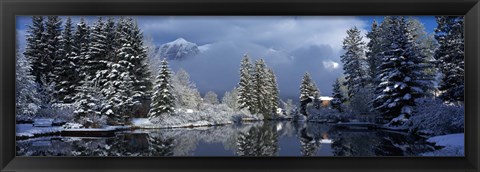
[453,145]
[146,123]
[209,115]
[28,130]
[107,128]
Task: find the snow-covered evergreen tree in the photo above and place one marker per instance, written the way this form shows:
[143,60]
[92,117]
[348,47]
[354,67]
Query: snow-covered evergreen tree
[89,104]
[78,57]
[425,45]
[66,68]
[401,73]
[163,101]
[53,35]
[373,53]
[245,86]
[27,101]
[118,94]
[36,45]
[142,84]
[96,58]
[308,88]
[273,93]
[261,89]
[354,62]
[338,98]
[185,92]
[211,98]
[450,56]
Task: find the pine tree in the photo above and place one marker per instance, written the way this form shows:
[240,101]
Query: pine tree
[373,53]
[96,58]
[401,73]
[140,70]
[53,32]
[425,45]
[354,62]
[89,104]
[450,57]
[35,46]
[163,101]
[118,94]
[338,98]
[245,93]
[273,95]
[81,41]
[66,69]
[261,89]
[27,101]
[308,88]
[110,46]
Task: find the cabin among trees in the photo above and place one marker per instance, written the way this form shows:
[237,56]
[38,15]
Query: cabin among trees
[325,101]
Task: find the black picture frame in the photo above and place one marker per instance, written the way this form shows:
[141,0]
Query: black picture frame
[10,8]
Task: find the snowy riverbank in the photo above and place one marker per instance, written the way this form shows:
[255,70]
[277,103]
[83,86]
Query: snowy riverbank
[452,145]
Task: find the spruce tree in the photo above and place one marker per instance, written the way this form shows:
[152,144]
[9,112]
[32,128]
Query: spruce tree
[81,41]
[354,62]
[140,70]
[273,92]
[261,89]
[373,53]
[89,104]
[401,74]
[307,88]
[450,57]
[245,87]
[118,94]
[35,46]
[97,54]
[66,69]
[338,98]
[53,35]
[163,101]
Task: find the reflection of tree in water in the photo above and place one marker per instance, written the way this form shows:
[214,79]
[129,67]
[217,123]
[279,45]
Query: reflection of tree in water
[159,146]
[396,144]
[258,141]
[377,143]
[352,143]
[310,135]
[309,145]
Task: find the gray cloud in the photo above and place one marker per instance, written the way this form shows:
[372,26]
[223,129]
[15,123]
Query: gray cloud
[290,45]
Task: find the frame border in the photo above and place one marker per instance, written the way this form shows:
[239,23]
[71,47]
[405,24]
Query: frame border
[10,8]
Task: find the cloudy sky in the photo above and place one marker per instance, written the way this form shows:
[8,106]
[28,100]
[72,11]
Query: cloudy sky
[290,45]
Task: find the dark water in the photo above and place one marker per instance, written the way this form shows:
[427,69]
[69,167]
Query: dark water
[256,139]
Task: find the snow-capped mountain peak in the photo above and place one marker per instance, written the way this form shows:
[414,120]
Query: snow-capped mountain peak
[179,41]
[178,49]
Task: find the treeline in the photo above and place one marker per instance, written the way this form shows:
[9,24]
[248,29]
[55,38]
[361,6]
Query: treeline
[400,64]
[101,68]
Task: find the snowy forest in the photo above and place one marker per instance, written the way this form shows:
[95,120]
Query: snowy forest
[101,80]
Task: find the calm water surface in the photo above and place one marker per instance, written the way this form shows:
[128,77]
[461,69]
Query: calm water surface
[254,139]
